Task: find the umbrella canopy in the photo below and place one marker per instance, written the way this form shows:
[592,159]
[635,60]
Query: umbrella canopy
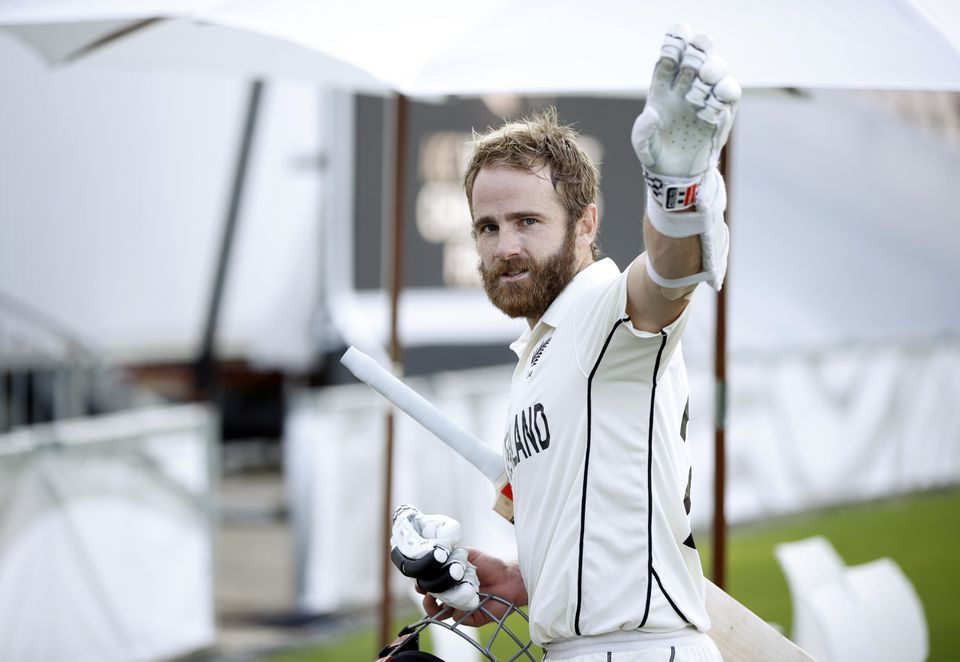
[144,35]
[437,47]
[605,47]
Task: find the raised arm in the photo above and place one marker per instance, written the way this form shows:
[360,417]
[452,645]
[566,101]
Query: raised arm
[678,138]
[650,306]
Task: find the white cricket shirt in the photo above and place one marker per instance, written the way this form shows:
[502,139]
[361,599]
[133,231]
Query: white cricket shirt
[595,450]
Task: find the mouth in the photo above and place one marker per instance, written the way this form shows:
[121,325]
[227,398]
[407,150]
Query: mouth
[514,276]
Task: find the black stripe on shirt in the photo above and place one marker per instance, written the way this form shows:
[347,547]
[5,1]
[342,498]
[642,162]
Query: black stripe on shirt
[653,399]
[667,596]
[586,467]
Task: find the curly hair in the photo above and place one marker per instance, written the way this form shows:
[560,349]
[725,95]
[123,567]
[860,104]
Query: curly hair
[531,143]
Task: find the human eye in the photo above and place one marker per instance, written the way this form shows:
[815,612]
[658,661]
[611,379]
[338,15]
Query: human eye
[486,228]
[529,220]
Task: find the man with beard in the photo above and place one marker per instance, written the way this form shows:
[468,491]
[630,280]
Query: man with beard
[594,441]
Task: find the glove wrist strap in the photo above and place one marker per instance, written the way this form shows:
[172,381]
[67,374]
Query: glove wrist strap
[673,193]
[675,224]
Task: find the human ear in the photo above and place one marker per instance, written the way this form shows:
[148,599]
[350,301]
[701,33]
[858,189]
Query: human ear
[587,223]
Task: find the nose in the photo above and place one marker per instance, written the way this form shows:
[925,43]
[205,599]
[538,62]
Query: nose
[508,244]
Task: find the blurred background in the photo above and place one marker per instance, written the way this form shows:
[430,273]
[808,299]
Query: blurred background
[199,214]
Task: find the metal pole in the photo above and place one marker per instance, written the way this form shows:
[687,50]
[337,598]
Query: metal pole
[720,379]
[204,368]
[4,407]
[6,371]
[401,110]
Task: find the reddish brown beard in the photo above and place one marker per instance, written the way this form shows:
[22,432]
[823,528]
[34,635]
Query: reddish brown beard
[531,296]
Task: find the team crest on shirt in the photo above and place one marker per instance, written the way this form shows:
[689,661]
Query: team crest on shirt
[537,354]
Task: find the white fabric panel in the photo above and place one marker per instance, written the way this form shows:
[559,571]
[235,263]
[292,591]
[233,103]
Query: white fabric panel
[831,243]
[805,430]
[142,162]
[106,546]
[808,429]
[334,469]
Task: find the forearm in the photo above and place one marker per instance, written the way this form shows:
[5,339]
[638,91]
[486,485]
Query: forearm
[671,258]
[651,306]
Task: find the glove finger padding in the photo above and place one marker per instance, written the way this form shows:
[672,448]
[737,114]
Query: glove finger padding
[427,565]
[694,56]
[446,577]
[675,43]
[464,595]
[719,108]
[709,75]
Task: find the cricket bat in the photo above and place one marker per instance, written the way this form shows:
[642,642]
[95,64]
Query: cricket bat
[741,635]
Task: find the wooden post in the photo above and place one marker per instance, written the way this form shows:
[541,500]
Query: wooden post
[720,380]
[396,284]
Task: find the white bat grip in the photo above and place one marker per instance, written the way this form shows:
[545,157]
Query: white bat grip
[488,461]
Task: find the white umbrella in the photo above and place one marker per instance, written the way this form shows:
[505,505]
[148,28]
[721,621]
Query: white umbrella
[605,47]
[564,46]
[170,34]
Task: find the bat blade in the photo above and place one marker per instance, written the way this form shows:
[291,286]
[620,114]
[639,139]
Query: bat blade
[742,636]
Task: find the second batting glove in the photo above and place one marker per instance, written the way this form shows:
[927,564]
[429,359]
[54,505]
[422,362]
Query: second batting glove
[424,547]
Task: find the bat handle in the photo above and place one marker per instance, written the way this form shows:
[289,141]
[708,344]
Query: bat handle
[503,504]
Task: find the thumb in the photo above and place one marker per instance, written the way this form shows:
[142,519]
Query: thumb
[644,133]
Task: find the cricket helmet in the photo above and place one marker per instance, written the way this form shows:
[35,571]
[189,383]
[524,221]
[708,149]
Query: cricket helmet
[406,647]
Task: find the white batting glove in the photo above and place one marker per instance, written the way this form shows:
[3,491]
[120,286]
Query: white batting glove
[686,120]
[424,547]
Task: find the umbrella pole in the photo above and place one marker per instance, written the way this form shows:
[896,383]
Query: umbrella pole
[720,381]
[204,368]
[401,109]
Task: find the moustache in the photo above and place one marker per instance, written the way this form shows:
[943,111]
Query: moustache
[511,266]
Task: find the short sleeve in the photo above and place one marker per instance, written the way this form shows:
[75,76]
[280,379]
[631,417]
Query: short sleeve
[600,311]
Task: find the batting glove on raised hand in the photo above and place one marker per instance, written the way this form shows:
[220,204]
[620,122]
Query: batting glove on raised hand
[686,120]
[424,547]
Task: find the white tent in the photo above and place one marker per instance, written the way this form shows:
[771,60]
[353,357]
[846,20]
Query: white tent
[106,539]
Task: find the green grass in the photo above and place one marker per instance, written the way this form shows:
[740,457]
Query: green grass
[921,533]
